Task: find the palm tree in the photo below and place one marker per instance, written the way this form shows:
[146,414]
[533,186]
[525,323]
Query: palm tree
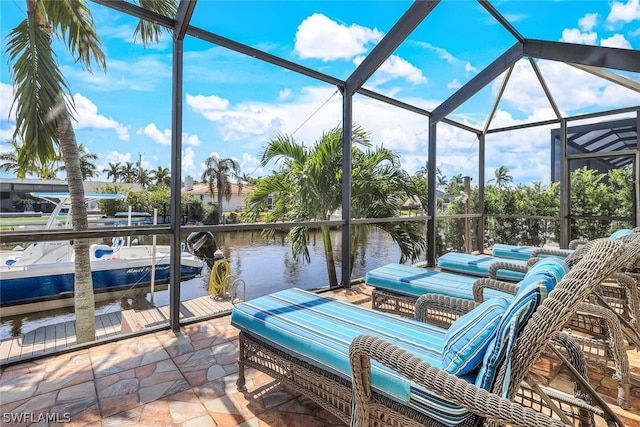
[308,187]
[143,178]
[218,175]
[42,103]
[113,171]
[87,168]
[10,161]
[128,173]
[502,177]
[22,165]
[161,176]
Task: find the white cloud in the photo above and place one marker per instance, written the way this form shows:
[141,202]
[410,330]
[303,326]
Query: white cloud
[88,118]
[395,67]
[574,35]
[188,163]
[284,93]
[164,137]
[442,53]
[322,38]
[616,40]
[7,121]
[454,84]
[201,102]
[571,88]
[161,137]
[588,22]
[624,12]
[6,94]
[470,68]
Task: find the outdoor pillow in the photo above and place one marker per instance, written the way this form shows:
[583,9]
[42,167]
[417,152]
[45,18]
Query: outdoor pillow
[555,267]
[467,339]
[621,233]
[530,295]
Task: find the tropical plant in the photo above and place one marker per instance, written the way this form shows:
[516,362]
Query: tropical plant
[218,175]
[307,186]
[43,108]
[22,165]
[161,176]
[87,168]
[128,173]
[502,177]
[113,171]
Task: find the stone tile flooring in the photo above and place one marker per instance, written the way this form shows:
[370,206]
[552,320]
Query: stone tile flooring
[172,379]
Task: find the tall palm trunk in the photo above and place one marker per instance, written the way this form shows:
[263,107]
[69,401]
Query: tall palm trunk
[220,197]
[83,284]
[328,254]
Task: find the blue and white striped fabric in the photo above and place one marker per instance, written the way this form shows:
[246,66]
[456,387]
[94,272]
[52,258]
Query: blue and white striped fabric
[478,265]
[501,250]
[466,341]
[319,330]
[416,281]
[531,293]
[553,266]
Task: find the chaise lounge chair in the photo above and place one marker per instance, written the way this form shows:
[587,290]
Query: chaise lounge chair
[396,288]
[302,339]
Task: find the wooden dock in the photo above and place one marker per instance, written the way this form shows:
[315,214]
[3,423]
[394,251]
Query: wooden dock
[61,335]
[136,320]
[55,337]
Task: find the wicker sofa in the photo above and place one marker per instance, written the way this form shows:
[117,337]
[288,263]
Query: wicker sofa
[302,339]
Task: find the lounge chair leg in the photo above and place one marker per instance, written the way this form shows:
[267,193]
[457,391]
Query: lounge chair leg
[241,382]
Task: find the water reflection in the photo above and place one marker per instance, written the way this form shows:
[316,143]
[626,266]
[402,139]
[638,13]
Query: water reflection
[265,265]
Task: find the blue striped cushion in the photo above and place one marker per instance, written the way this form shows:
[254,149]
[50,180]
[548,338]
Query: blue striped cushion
[553,266]
[512,251]
[621,233]
[468,337]
[415,281]
[478,265]
[319,330]
[531,293]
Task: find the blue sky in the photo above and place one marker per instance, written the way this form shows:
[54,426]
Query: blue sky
[234,104]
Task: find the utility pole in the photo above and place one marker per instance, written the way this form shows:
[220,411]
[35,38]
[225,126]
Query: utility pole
[139,168]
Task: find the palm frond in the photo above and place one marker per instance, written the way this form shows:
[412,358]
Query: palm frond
[39,89]
[72,20]
[149,32]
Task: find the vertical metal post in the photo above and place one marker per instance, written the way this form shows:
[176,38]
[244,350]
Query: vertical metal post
[467,211]
[176,185]
[636,175]
[481,179]
[431,196]
[347,129]
[565,188]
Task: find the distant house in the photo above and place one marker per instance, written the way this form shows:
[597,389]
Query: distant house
[15,197]
[201,191]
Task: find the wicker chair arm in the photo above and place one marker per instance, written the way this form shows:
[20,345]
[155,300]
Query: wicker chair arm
[441,303]
[628,282]
[551,252]
[575,243]
[503,265]
[453,389]
[483,283]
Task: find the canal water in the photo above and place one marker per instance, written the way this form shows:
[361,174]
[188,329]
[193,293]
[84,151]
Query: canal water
[266,266]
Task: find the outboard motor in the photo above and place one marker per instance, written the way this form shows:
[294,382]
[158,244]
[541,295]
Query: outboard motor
[203,245]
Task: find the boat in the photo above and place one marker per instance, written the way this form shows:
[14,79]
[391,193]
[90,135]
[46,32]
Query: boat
[41,276]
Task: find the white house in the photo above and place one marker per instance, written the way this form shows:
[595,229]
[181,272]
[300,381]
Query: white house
[201,191]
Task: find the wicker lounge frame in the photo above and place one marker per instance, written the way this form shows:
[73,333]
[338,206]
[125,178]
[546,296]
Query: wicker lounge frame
[334,393]
[601,330]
